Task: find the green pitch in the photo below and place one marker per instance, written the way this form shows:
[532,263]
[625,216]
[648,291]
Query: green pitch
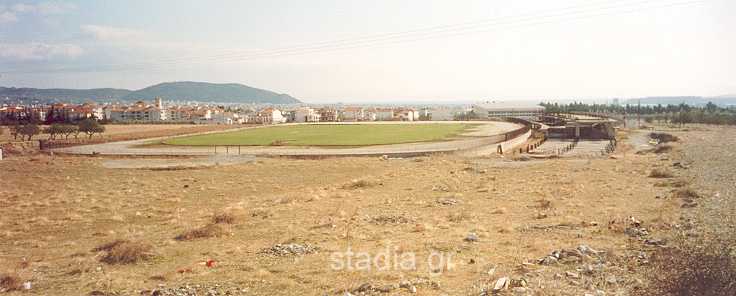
[328,135]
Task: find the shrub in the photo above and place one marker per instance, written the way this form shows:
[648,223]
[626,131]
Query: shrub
[660,173]
[662,148]
[124,252]
[664,137]
[223,218]
[686,193]
[207,231]
[10,282]
[692,268]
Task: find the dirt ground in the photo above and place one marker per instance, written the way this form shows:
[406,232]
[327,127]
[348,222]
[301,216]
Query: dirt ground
[486,218]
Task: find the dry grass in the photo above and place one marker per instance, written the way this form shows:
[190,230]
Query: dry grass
[701,268]
[156,207]
[124,252]
[356,184]
[660,173]
[207,231]
[224,218]
[10,282]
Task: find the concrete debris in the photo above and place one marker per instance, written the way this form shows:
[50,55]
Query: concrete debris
[280,250]
[567,256]
[197,289]
[389,219]
[472,237]
[636,232]
[501,284]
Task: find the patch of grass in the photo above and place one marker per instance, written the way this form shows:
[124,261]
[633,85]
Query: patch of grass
[660,173]
[224,218]
[328,135]
[10,282]
[124,252]
[207,231]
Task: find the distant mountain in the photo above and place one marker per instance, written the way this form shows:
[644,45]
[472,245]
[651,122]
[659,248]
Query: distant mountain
[65,95]
[211,92]
[726,100]
[175,91]
[668,101]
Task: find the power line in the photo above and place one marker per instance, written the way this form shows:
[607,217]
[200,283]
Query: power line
[387,39]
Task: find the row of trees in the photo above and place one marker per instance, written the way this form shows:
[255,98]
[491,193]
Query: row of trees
[90,127]
[675,114]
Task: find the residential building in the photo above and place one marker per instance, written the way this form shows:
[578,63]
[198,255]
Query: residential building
[353,114]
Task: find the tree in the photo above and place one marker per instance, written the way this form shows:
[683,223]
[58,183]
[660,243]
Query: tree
[68,129]
[53,130]
[91,127]
[29,130]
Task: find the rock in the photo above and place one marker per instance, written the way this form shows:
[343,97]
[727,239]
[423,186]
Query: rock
[447,201]
[571,274]
[611,280]
[654,242]
[385,288]
[408,285]
[548,260]
[584,249]
[501,210]
[471,237]
[501,284]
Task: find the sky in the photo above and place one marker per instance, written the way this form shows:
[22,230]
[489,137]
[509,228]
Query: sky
[378,50]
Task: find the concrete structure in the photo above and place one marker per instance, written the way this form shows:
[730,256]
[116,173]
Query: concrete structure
[494,109]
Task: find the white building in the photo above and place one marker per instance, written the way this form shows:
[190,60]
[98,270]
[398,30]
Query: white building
[384,114]
[306,114]
[495,109]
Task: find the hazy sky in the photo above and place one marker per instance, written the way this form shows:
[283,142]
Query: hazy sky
[378,50]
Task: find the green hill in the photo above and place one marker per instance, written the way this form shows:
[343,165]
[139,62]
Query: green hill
[177,91]
[63,95]
[210,92]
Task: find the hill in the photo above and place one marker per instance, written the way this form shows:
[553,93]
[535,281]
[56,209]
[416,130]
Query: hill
[61,94]
[177,91]
[211,92]
[726,100]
